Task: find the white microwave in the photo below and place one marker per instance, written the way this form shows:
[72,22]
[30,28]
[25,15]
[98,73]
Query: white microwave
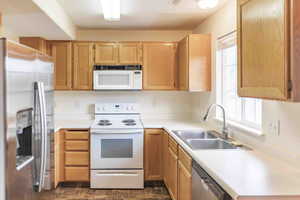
[121,77]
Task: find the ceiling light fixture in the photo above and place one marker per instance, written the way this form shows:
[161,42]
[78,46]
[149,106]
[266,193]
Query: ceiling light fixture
[206,4]
[111,10]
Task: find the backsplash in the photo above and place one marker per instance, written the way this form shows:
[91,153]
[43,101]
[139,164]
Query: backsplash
[153,105]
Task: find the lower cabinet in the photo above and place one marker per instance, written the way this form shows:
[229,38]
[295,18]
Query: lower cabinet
[184,175]
[173,172]
[165,157]
[72,156]
[153,161]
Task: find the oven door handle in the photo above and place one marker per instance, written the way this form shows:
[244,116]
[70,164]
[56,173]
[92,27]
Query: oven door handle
[116,174]
[123,132]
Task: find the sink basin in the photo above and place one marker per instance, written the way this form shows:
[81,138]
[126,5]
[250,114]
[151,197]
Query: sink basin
[199,134]
[209,144]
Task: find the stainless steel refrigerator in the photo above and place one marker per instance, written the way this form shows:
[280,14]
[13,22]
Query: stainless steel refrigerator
[26,121]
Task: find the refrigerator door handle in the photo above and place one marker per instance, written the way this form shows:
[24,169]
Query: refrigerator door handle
[42,109]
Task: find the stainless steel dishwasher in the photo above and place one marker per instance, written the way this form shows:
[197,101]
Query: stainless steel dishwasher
[204,187]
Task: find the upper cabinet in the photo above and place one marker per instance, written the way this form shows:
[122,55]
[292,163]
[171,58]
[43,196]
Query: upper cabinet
[159,66]
[130,53]
[37,43]
[194,53]
[62,56]
[123,53]
[106,53]
[268,49]
[83,61]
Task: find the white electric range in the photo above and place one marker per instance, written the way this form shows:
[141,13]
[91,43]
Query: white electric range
[117,139]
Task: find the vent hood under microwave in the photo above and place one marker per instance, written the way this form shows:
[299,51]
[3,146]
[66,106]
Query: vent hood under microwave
[118,77]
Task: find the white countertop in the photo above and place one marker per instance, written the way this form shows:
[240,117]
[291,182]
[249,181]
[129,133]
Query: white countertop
[248,175]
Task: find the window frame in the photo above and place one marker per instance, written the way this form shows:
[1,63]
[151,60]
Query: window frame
[242,123]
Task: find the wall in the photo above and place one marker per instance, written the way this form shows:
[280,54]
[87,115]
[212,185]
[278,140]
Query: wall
[153,105]
[285,146]
[130,35]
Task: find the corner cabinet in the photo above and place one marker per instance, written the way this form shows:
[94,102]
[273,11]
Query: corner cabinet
[194,54]
[159,66]
[268,49]
[83,61]
[62,56]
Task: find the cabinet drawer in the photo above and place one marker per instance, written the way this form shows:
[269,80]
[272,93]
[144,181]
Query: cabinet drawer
[173,145]
[77,145]
[185,159]
[77,135]
[77,174]
[77,158]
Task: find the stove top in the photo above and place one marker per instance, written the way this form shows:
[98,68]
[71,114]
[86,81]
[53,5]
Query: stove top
[117,122]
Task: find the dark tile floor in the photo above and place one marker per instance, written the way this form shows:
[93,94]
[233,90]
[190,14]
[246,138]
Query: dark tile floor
[151,192]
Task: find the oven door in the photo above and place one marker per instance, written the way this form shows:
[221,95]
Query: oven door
[113,80]
[117,150]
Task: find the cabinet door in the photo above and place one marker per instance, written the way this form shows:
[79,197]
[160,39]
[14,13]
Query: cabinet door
[159,66]
[130,53]
[59,158]
[165,157]
[83,66]
[263,53]
[62,56]
[172,176]
[153,154]
[183,64]
[184,182]
[106,53]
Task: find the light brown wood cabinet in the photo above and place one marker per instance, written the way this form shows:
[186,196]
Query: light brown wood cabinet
[165,157]
[37,43]
[130,53]
[172,173]
[159,65]
[184,175]
[62,56]
[83,63]
[194,57]
[153,161]
[71,156]
[268,49]
[106,53]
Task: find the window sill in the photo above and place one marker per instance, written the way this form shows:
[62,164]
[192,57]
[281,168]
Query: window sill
[242,128]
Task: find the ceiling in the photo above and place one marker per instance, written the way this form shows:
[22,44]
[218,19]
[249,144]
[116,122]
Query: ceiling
[139,14]
[24,18]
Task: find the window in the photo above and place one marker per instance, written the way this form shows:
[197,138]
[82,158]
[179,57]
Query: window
[244,111]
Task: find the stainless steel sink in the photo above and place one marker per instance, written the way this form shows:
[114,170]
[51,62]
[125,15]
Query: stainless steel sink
[209,144]
[197,134]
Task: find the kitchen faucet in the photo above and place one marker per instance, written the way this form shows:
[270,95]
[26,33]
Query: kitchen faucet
[225,129]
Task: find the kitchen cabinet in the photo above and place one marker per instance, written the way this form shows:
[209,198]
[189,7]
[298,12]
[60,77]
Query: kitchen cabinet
[62,56]
[172,168]
[37,43]
[153,154]
[268,49]
[184,175]
[165,157]
[83,55]
[194,58]
[106,53]
[159,65]
[130,53]
[71,156]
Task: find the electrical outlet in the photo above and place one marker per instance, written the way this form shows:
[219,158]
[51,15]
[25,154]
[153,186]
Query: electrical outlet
[274,127]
